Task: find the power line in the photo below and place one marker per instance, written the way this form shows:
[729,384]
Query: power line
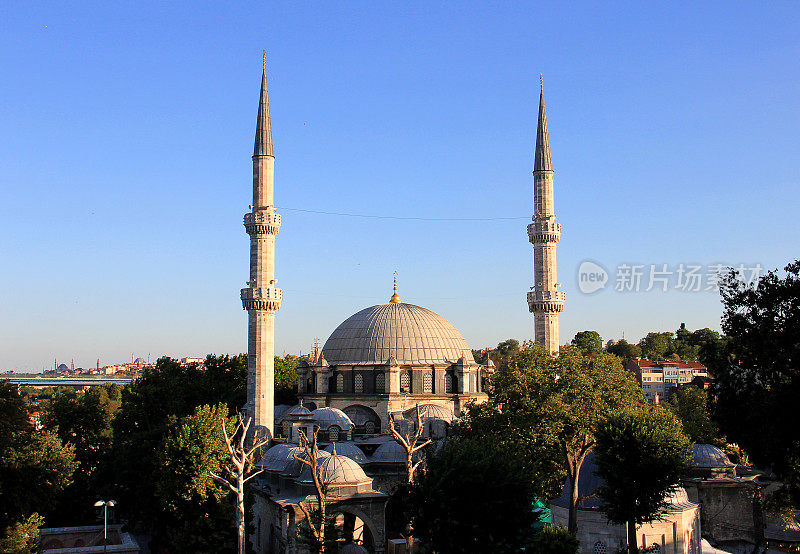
[372,216]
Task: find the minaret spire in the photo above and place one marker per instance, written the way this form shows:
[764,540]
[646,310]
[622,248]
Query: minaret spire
[263,146]
[262,298]
[544,299]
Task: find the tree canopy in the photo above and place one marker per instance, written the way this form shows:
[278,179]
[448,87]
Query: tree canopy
[691,405]
[641,454]
[588,342]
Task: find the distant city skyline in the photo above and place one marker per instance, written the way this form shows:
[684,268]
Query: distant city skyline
[125,166]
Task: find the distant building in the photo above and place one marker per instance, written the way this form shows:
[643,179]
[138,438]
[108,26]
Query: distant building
[188,361]
[658,378]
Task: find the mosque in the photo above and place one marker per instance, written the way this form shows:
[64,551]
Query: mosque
[379,368]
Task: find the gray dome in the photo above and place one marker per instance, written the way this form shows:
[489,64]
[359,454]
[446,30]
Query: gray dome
[350,450]
[277,457]
[353,548]
[410,334]
[298,410]
[337,470]
[428,412]
[295,467]
[391,452]
[280,410]
[709,456]
[327,416]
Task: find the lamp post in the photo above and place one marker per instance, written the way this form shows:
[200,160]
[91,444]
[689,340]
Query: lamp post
[106,504]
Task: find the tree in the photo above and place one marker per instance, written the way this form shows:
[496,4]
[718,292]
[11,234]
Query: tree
[23,536]
[286,379]
[756,370]
[473,497]
[35,466]
[240,469]
[691,406]
[641,454]
[656,346]
[316,519]
[588,342]
[625,350]
[194,510]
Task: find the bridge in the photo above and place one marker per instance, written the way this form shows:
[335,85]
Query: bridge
[64,381]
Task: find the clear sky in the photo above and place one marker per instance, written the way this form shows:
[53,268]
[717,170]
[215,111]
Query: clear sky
[127,130]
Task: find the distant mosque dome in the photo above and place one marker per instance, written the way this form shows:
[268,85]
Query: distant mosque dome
[62,367]
[410,334]
[139,361]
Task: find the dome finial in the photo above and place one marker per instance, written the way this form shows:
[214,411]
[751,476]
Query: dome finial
[395,299]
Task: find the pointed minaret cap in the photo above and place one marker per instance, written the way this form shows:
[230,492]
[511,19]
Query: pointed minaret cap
[395,299]
[542,162]
[263,145]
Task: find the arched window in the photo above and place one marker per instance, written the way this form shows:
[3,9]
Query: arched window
[405,382]
[600,548]
[369,428]
[286,428]
[427,383]
[311,384]
[358,383]
[333,433]
[655,549]
[380,383]
[449,383]
[340,383]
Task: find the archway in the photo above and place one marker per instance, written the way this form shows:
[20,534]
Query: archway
[366,421]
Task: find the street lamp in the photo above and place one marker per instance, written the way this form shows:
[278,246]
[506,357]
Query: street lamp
[106,504]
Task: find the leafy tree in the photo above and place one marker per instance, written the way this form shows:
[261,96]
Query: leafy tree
[756,370]
[196,513]
[641,454]
[656,346]
[553,406]
[554,540]
[473,497]
[286,379]
[23,536]
[625,350]
[691,406]
[34,465]
[588,342]
[83,421]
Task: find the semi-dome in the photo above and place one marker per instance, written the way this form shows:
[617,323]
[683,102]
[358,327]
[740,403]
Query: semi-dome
[709,456]
[350,450]
[337,470]
[408,333]
[327,416]
[277,457]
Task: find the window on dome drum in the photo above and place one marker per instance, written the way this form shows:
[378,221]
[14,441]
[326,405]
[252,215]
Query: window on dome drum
[310,385]
[380,383]
[369,428]
[405,382]
[427,383]
[358,384]
[449,383]
[340,383]
[333,433]
[600,548]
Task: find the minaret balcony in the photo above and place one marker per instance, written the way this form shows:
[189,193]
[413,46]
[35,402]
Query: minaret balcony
[546,301]
[262,222]
[544,231]
[262,298]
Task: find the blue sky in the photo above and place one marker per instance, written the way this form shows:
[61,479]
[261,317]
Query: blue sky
[127,130]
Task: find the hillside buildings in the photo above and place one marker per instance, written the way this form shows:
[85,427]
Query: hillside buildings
[658,378]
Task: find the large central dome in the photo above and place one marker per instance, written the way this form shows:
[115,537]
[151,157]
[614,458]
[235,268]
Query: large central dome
[411,334]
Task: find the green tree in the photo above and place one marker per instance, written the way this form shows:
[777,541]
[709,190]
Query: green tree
[286,379]
[196,511]
[473,497]
[756,370]
[588,342]
[34,465]
[691,406]
[23,536]
[656,346]
[625,350]
[554,540]
[641,454]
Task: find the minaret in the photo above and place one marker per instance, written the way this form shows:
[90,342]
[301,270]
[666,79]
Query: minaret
[544,299]
[262,298]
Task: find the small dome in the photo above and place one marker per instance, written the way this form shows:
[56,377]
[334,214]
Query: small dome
[325,417]
[337,470]
[298,410]
[678,500]
[277,457]
[295,467]
[350,450]
[428,412]
[280,411]
[709,456]
[390,452]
